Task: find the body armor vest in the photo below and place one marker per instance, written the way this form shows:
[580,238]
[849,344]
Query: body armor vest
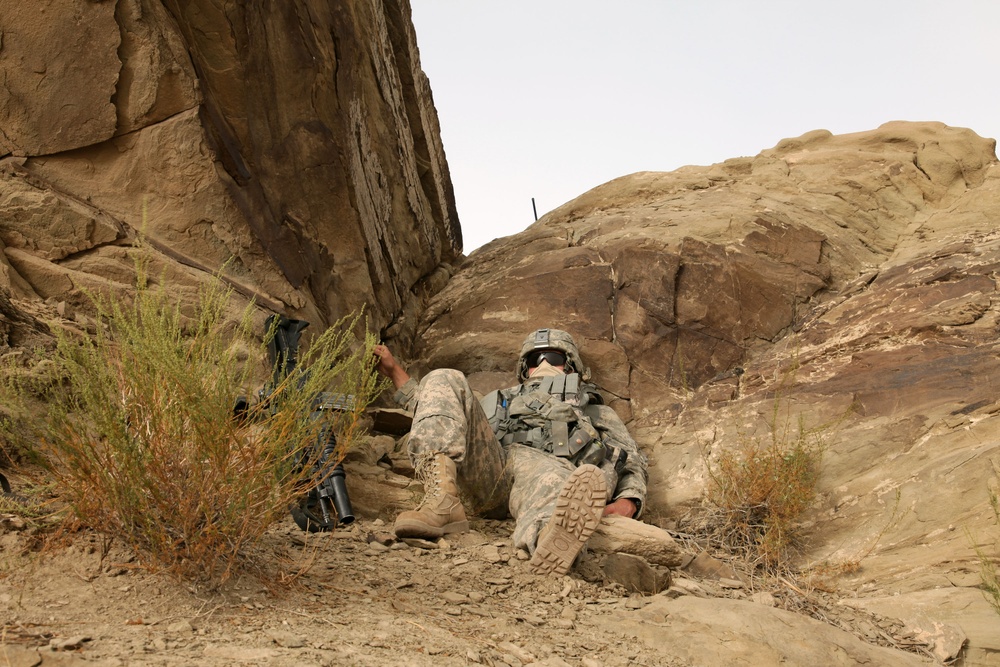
[551,414]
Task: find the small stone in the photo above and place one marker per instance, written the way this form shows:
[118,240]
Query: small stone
[180,627]
[726,582]
[634,573]
[552,661]
[68,643]
[377,547]
[476,596]
[521,654]
[706,566]
[286,639]
[454,598]
[764,598]
[532,620]
[15,522]
[419,543]
[683,586]
[473,656]
[235,654]
[380,537]
[491,554]
[563,623]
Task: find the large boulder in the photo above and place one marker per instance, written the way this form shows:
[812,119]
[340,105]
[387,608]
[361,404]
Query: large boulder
[295,144]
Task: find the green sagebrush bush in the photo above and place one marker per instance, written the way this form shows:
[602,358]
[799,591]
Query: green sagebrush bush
[760,489]
[142,437]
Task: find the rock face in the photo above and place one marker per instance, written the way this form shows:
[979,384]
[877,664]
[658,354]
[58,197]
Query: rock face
[844,283]
[296,141]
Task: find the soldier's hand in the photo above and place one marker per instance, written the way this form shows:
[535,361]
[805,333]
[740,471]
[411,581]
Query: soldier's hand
[621,507]
[389,367]
[386,362]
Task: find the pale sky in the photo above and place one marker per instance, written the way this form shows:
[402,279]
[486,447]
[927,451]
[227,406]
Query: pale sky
[550,98]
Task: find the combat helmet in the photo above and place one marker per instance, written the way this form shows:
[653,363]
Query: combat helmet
[551,339]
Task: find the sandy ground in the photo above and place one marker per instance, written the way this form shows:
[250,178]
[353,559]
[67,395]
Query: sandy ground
[466,601]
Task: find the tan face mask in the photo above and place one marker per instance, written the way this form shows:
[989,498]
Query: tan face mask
[545,369]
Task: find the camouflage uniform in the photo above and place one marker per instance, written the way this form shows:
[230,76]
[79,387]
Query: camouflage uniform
[514,479]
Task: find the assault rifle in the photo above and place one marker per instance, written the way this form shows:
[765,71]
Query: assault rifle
[326,504]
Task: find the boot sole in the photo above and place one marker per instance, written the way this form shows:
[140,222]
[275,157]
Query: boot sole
[578,512]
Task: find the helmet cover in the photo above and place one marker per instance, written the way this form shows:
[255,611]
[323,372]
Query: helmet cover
[551,339]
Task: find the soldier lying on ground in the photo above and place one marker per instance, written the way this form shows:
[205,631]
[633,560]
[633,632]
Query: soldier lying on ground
[547,452]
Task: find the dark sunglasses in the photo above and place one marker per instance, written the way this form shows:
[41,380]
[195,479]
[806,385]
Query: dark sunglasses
[554,357]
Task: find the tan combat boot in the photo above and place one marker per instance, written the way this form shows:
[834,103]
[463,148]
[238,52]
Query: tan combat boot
[578,512]
[440,512]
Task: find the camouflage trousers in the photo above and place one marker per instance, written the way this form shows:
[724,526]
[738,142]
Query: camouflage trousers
[495,480]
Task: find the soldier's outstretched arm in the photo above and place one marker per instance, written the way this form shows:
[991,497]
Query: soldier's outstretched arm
[406,387]
[633,478]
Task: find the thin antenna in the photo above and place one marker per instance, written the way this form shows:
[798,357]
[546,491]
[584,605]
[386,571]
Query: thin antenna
[534,209]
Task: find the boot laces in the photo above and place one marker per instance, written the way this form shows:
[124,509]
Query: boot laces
[429,471]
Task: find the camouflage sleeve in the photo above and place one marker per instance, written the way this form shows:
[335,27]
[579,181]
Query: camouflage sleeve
[632,480]
[406,395]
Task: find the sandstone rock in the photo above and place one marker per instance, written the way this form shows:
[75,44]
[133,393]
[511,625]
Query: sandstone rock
[18,328]
[286,639]
[46,224]
[752,252]
[17,656]
[754,635]
[635,574]
[240,653]
[241,135]
[68,643]
[945,617]
[370,493]
[704,565]
[618,534]
[55,51]
[157,78]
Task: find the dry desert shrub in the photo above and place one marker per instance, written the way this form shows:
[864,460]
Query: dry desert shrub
[760,489]
[142,438]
